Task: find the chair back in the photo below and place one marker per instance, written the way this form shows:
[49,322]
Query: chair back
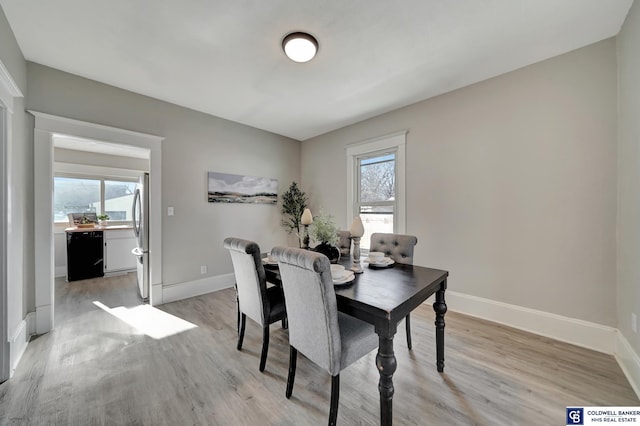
[311,306]
[344,243]
[251,280]
[397,246]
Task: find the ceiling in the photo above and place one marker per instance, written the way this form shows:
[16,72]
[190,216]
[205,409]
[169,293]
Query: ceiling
[224,57]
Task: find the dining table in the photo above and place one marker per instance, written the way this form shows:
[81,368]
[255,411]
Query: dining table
[383,296]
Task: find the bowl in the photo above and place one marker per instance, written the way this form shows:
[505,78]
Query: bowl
[337,271]
[376,256]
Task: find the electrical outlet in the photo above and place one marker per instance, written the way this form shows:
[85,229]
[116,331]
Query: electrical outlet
[169,211]
[634,323]
[203,269]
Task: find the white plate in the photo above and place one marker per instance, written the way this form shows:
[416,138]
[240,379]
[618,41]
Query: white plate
[337,276]
[350,276]
[384,262]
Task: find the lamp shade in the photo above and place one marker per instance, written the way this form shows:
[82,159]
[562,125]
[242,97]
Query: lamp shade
[300,47]
[357,229]
[306,218]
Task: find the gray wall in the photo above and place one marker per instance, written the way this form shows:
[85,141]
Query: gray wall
[629,175]
[194,144]
[511,183]
[20,270]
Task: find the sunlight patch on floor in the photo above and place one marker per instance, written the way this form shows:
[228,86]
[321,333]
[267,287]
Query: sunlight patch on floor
[148,320]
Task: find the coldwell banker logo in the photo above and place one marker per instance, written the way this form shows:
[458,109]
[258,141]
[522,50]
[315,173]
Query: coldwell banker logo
[575,416]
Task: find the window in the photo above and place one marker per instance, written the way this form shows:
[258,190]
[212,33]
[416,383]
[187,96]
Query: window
[118,199]
[376,185]
[80,195]
[376,194]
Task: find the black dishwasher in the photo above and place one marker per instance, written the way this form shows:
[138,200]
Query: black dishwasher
[84,255]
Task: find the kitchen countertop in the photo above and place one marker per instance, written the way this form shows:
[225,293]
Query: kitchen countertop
[98,228]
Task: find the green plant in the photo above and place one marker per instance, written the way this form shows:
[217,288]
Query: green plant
[294,202]
[324,229]
[103,217]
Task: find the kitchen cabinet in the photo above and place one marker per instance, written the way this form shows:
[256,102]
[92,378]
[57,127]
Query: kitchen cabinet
[118,244]
[99,251]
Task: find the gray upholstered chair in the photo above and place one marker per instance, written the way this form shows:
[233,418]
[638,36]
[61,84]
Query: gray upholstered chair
[344,243]
[329,338]
[264,305]
[400,248]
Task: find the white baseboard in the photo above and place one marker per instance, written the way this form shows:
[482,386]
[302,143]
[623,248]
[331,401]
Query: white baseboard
[155,298]
[61,271]
[173,292]
[578,332]
[629,362]
[43,319]
[20,339]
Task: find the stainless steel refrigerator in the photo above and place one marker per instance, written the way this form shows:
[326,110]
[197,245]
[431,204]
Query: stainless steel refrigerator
[140,215]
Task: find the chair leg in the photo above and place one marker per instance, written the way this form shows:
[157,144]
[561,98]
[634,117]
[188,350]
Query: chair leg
[243,321]
[335,396]
[293,356]
[408,324]
[237,309]
[265,347]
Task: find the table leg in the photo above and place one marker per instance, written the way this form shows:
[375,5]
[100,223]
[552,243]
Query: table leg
[386,363]
[440,307]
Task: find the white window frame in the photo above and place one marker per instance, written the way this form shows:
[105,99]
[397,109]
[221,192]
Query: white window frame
[395,142]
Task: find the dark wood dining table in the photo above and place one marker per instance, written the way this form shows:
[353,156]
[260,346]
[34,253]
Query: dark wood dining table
[383,297]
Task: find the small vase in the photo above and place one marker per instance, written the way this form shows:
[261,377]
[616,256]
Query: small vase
[332,252]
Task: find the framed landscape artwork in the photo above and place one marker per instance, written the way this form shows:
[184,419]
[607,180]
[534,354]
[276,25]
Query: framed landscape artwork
[228,188]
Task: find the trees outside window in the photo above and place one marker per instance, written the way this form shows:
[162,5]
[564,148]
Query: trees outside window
[376,193]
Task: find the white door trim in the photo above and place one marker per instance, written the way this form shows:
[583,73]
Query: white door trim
[8,91]
[46,126]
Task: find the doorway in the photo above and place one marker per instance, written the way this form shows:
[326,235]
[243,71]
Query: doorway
[95,178]
[46,127]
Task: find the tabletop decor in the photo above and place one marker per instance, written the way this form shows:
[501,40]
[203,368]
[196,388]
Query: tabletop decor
[294,201]
[228,188]
[306,220]
[103,218]
[324,231]
[357,231]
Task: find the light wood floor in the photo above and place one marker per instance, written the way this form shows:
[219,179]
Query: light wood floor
[94,368]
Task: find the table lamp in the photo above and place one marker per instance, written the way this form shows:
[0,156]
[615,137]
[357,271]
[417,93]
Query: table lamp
[357,231]
[306,220]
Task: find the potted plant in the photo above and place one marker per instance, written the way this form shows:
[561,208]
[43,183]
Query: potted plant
[294,202]
[102,219]
[324,231]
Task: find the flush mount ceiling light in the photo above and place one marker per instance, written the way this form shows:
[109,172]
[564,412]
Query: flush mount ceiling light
[300,47]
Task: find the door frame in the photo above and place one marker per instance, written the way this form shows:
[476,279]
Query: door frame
[5,352]
[46,126]
[9,91]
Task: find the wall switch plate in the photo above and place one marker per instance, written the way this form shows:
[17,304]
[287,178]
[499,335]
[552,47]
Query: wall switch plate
[634,323]
[203,269]
[169,211]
